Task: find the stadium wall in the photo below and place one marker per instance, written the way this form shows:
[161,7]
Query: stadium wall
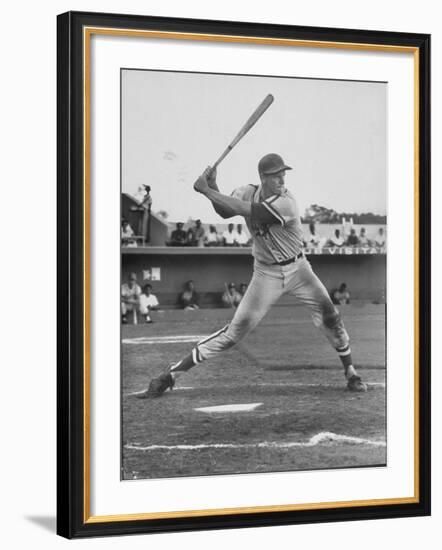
[210,268]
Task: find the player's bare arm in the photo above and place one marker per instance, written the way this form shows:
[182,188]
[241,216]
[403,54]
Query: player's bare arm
[229,206]
[130,300]
[211,180]
[210,174]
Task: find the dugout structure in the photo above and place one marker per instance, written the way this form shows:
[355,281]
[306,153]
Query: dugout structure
[168,268]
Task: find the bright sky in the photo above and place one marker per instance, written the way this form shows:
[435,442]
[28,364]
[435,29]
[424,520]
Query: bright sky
[333,134]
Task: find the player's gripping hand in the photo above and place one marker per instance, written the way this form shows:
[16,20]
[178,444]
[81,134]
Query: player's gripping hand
[210,174]
[201,185]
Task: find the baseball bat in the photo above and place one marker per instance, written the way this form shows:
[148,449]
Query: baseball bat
[257,114]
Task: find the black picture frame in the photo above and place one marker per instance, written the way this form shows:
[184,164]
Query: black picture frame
[73,519]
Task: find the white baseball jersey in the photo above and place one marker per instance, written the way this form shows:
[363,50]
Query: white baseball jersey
[274,224]
[148,301]
[128,292]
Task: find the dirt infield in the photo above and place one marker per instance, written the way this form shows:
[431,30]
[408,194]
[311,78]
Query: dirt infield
[301,415]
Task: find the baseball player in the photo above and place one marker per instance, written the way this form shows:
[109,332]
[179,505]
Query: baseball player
[130,297]
[280,267]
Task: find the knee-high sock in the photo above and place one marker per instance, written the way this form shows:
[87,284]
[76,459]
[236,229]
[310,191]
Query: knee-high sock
[346,360]
[186,363]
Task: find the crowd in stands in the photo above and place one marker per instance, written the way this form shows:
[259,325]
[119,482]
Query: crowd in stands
[338,240]
[137,303]
[197,235]
[127,234]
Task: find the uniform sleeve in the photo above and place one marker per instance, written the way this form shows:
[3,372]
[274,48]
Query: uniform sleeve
[243,193]
[260,214]
[282,208]
[239,192]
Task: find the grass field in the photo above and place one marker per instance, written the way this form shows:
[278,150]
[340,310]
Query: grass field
[304,418]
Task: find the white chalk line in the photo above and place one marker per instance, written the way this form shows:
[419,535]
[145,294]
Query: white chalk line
[150,340]
[261,385]
[229,408]
[318,439]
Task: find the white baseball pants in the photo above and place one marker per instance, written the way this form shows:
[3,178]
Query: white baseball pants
[268,284]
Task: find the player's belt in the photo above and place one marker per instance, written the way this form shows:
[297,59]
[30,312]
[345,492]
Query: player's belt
[287,262]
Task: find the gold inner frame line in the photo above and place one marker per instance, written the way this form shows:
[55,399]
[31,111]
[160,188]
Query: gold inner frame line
[87,33]
[205,37]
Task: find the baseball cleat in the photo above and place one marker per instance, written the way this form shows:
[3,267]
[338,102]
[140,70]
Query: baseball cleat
[158,386]
[355,383]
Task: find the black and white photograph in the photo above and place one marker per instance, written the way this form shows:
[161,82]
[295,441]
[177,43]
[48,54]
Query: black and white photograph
[243,271]
[225,213]
[254,240]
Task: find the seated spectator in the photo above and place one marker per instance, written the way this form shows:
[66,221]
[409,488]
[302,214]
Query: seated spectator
[195,235]
[380,238]
[337,240]
[242,290]
[126,233]
[179,236]
[229,236]
[352,239]
[241,238]
[189,299]
[231,297]
[363,239]
[313,239]
[148,302]
[189,237]
[212,238]
[130,298]
[341,296]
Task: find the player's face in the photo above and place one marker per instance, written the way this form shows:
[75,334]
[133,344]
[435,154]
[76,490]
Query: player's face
[274,183]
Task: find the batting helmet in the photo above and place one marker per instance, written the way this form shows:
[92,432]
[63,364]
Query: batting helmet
[272,164]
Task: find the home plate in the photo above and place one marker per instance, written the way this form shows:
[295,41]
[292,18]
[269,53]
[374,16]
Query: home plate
[244,407]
